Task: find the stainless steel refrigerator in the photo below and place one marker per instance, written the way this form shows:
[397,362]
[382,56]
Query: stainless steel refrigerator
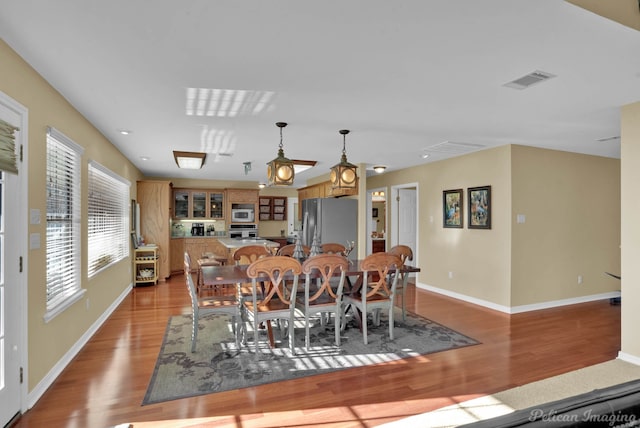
[331,220]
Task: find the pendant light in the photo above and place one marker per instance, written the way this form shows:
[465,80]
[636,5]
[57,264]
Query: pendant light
[344,175]
[280,171]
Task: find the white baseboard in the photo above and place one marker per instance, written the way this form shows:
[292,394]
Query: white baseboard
[34,395]
[522,308]
[629,358]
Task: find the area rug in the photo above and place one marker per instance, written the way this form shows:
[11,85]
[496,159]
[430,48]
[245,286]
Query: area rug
[219,365]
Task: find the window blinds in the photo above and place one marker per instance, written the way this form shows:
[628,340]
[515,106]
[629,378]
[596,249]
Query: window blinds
[8,147]
[63,218]
[108,215]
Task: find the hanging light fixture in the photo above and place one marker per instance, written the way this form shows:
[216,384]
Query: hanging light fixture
[344,175]
[280,171]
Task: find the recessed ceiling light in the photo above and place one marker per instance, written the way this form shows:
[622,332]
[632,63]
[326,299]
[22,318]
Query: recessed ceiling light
[125,131]
[426,155]
[145,158]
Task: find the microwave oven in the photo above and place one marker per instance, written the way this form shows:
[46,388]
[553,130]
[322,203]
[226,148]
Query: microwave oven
[242,215]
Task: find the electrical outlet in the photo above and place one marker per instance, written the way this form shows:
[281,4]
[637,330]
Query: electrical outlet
[579,279]
[450,275]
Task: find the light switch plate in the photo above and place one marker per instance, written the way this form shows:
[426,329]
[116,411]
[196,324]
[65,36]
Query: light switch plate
[520,218]
[34,216]
[34,241]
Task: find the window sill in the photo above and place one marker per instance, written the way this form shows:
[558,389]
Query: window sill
[62,306]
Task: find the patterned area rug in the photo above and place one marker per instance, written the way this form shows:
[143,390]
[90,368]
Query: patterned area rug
[218,365]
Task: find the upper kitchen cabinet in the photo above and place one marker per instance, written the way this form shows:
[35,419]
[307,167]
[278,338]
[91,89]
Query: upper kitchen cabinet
[198,204]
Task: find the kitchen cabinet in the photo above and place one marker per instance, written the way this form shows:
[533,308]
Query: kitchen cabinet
[242,198]
[198,204]
[273,208]
[177,256]
[196,247]
[155,200]
[378,246]
[145,265]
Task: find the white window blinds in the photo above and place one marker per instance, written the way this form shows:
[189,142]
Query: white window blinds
[108,215]
[63,220]
[8,147]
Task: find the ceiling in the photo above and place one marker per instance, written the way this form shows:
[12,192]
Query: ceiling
[404,77]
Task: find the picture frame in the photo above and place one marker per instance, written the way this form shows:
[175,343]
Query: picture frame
[134,240]
[374,212]
[479,207]
[452,208]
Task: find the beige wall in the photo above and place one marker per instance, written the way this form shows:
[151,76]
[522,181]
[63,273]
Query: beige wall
[571,207]
[625,12]
[630,230]
[571,204]
[478,259]
[48,342]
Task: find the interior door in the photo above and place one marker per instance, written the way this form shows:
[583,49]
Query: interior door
[407,220]
[11,320]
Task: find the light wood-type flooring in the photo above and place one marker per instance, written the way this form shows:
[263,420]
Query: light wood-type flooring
[104,385]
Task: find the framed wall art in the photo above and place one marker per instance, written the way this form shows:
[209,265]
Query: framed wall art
[452,208]
[479,199]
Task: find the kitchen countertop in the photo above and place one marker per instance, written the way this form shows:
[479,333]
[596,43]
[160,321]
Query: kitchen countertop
[233,243]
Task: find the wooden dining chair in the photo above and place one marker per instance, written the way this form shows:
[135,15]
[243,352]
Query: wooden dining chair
[287,250]
[405,253]
[219,304]
[320,296]
[250,253]
[374,295]
[276,302]
[333,248]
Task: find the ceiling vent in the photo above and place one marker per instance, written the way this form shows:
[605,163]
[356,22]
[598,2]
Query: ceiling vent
[529,80]
[454,148]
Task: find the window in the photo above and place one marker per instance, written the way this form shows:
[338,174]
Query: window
[63,222]
[108,215]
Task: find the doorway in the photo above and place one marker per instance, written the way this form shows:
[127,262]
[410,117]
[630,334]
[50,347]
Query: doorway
[13,283]
[377,215]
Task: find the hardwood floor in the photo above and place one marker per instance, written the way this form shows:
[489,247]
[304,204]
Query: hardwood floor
[105,383]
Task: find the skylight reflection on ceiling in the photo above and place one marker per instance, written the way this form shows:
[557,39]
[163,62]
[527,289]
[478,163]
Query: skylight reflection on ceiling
[218,142]
[227,102]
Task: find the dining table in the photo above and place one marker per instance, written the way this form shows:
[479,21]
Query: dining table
[218,276]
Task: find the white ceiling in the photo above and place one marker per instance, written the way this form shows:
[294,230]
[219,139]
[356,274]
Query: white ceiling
[401,75]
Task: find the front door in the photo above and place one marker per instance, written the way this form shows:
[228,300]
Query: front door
[11,320]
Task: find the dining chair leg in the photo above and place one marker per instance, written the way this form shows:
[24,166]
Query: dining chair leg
[194,332]
[391,322]
[338,327]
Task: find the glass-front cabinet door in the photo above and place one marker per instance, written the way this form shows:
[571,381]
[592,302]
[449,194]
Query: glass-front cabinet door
[216,201]
[181,203]
[199,204]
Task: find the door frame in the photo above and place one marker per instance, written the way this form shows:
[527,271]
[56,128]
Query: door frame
[22,238]
[393,221]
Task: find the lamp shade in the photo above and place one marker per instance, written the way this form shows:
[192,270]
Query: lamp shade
[344,175]
[280,171]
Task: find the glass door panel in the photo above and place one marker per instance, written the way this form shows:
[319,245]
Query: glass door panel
[181,204]
[215,205]
[199,204]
